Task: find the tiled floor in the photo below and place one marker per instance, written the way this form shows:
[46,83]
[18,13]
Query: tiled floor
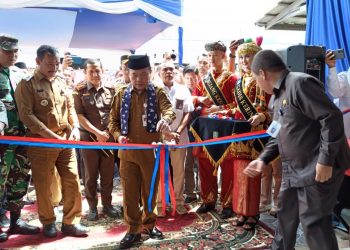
[343,238]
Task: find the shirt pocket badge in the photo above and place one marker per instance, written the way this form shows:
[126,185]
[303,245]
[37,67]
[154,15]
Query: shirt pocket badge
[179,104]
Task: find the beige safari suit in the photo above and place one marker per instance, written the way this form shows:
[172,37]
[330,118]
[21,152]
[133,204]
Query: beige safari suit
[49,104]
[136,166]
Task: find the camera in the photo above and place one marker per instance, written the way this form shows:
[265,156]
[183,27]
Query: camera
[169,56]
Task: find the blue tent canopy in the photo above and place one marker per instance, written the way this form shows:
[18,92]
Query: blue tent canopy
[95,24]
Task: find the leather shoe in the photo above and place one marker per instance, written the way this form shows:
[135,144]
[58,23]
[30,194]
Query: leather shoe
[204,208]
[50,230]
[154,233]
[3,236]
[76,230]
[226,213]
[4,221]
[23,228]
[110,211]
[128,240]
[93,214]
[189,199]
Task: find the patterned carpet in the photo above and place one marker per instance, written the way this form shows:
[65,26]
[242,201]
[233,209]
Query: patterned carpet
[191,231]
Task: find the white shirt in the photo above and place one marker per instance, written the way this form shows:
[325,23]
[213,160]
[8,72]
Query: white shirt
[181,101]
[339,87]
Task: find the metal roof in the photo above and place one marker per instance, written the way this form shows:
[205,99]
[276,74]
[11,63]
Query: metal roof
[287,15]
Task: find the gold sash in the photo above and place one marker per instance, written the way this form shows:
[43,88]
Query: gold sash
[212,87]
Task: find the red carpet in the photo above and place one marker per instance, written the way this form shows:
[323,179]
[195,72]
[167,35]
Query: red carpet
[189,231]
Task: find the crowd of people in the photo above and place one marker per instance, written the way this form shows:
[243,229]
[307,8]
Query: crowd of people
[301,167]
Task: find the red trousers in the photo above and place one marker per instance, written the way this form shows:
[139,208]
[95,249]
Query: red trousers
[209,182]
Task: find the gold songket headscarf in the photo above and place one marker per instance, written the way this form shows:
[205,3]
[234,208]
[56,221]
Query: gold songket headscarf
[248,48]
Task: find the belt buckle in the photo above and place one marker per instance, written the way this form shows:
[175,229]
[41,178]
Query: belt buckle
[60,132]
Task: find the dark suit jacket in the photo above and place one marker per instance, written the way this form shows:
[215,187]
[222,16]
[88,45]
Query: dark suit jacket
[312,130]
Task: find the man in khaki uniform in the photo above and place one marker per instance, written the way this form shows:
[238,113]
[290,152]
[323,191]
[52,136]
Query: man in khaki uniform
[93,103]
[47,110]
[139,112]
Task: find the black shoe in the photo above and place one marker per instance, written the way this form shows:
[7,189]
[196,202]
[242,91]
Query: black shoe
[76,230]
[204,208]
[93,214]
[110,211]
[4,220]
[28,202]
[226,213]
[23,228]
[50,230]
[3,237]
[154,233]
[129,240]
[189,199]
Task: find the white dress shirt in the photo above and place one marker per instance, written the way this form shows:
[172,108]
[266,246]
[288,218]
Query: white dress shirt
[181,101]
[339,88]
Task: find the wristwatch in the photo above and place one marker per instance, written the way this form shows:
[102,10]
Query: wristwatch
[231,56]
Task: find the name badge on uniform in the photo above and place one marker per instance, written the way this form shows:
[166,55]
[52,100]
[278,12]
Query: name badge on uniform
[44,103]
[179,104]
[144,120]
[274,129]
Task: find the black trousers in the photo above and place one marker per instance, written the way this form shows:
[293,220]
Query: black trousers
[312,206]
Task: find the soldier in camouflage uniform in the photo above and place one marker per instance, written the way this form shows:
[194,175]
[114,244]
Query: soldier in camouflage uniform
[14,165]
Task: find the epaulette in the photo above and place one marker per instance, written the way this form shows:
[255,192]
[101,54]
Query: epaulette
[28,77]
[80,86]
[121,87]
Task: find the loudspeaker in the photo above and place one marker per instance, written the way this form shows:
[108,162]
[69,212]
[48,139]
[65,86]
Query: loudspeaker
[307,59]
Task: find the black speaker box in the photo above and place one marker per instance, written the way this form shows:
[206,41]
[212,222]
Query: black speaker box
[307,59]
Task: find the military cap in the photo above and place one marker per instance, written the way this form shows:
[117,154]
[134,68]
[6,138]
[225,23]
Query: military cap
[124,59]
[215,46]
[138,62]
[8,42]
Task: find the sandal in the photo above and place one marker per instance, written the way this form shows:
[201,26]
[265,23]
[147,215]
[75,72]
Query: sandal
[239,220]
[251,222]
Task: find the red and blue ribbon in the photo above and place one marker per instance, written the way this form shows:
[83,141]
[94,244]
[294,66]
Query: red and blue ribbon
[161,161]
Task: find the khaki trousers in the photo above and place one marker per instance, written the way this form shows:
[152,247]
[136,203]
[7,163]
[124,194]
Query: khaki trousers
[95,164]
[274,170]
[56,189]
[177,157]
[136,178]
[44,161]
[190,183]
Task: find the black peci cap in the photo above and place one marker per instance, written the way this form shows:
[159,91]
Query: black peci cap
[138,62]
